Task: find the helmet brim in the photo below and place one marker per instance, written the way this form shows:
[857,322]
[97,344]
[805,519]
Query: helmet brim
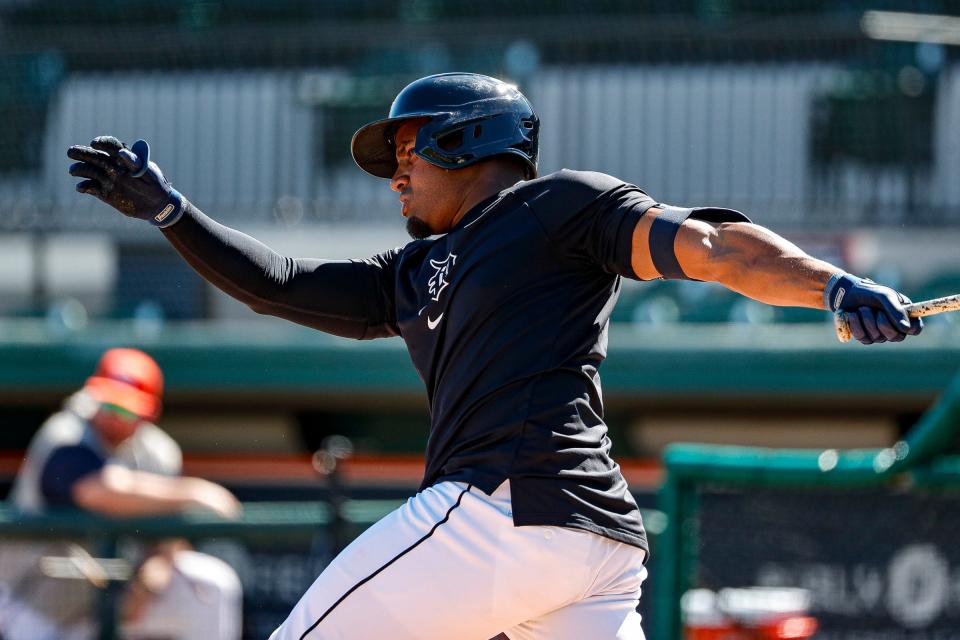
[372,149]
[107,390]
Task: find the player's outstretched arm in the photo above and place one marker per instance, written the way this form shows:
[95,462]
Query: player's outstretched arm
[762,265]
[117,491]
[343,297]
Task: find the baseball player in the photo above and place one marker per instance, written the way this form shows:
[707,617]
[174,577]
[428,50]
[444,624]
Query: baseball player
[102,453]
[523,525]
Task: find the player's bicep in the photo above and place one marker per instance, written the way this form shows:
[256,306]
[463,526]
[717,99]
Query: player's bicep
[349,298]
[689,245]
[675,243]
[698,250]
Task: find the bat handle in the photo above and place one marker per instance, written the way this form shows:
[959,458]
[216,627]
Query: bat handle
[842,325]
[841,320]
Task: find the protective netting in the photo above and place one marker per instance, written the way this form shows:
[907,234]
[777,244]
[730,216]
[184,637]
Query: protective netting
[808,115]
[803,110]
[879,564]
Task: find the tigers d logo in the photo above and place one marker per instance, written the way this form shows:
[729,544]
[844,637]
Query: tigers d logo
[439,280]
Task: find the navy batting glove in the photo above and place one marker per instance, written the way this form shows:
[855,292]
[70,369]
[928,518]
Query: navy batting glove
[875,313]
[126,180]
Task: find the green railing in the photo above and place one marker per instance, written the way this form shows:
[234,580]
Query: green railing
[689,466]
[242,361]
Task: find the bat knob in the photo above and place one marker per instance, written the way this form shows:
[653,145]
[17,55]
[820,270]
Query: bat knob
[842,325]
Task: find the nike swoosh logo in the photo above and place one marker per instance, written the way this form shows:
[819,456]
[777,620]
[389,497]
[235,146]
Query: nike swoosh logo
[432,324]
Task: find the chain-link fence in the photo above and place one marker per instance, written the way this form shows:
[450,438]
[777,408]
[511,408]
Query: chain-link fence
[804,112]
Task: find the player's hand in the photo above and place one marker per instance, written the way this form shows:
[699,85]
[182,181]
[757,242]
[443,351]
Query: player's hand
[875,313]
[126,180]
[212,497]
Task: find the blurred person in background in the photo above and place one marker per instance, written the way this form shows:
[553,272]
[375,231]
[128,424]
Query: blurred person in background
[103,453]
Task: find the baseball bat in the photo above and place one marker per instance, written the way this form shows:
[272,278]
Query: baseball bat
[914,310]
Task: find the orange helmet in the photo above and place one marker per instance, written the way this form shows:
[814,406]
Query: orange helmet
[128,378]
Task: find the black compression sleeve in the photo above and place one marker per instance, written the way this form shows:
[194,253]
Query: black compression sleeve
[349,298]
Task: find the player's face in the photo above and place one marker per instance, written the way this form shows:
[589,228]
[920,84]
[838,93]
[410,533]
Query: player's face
[429,197]
[115,424]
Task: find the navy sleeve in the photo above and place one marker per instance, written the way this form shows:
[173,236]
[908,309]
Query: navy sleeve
[63,469]
[590,216]
[348,298]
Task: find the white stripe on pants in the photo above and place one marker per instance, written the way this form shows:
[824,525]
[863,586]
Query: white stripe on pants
[450,565]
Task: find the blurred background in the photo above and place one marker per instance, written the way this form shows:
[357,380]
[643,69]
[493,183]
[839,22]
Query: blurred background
[836,124]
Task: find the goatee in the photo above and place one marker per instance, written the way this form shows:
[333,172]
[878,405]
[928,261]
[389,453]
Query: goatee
[418,229]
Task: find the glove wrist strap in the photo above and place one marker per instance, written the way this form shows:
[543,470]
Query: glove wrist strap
[170,212]
[837,286]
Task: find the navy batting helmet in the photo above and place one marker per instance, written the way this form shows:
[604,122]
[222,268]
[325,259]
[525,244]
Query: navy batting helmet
[471,117]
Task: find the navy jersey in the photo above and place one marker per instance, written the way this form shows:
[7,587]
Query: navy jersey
[505,317]
[506,321]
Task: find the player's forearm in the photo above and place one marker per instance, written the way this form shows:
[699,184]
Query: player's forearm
[117,491]
[325,295]
[233,261]
[762,265]
[125,493]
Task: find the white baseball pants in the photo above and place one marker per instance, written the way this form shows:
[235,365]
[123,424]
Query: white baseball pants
[450,565]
